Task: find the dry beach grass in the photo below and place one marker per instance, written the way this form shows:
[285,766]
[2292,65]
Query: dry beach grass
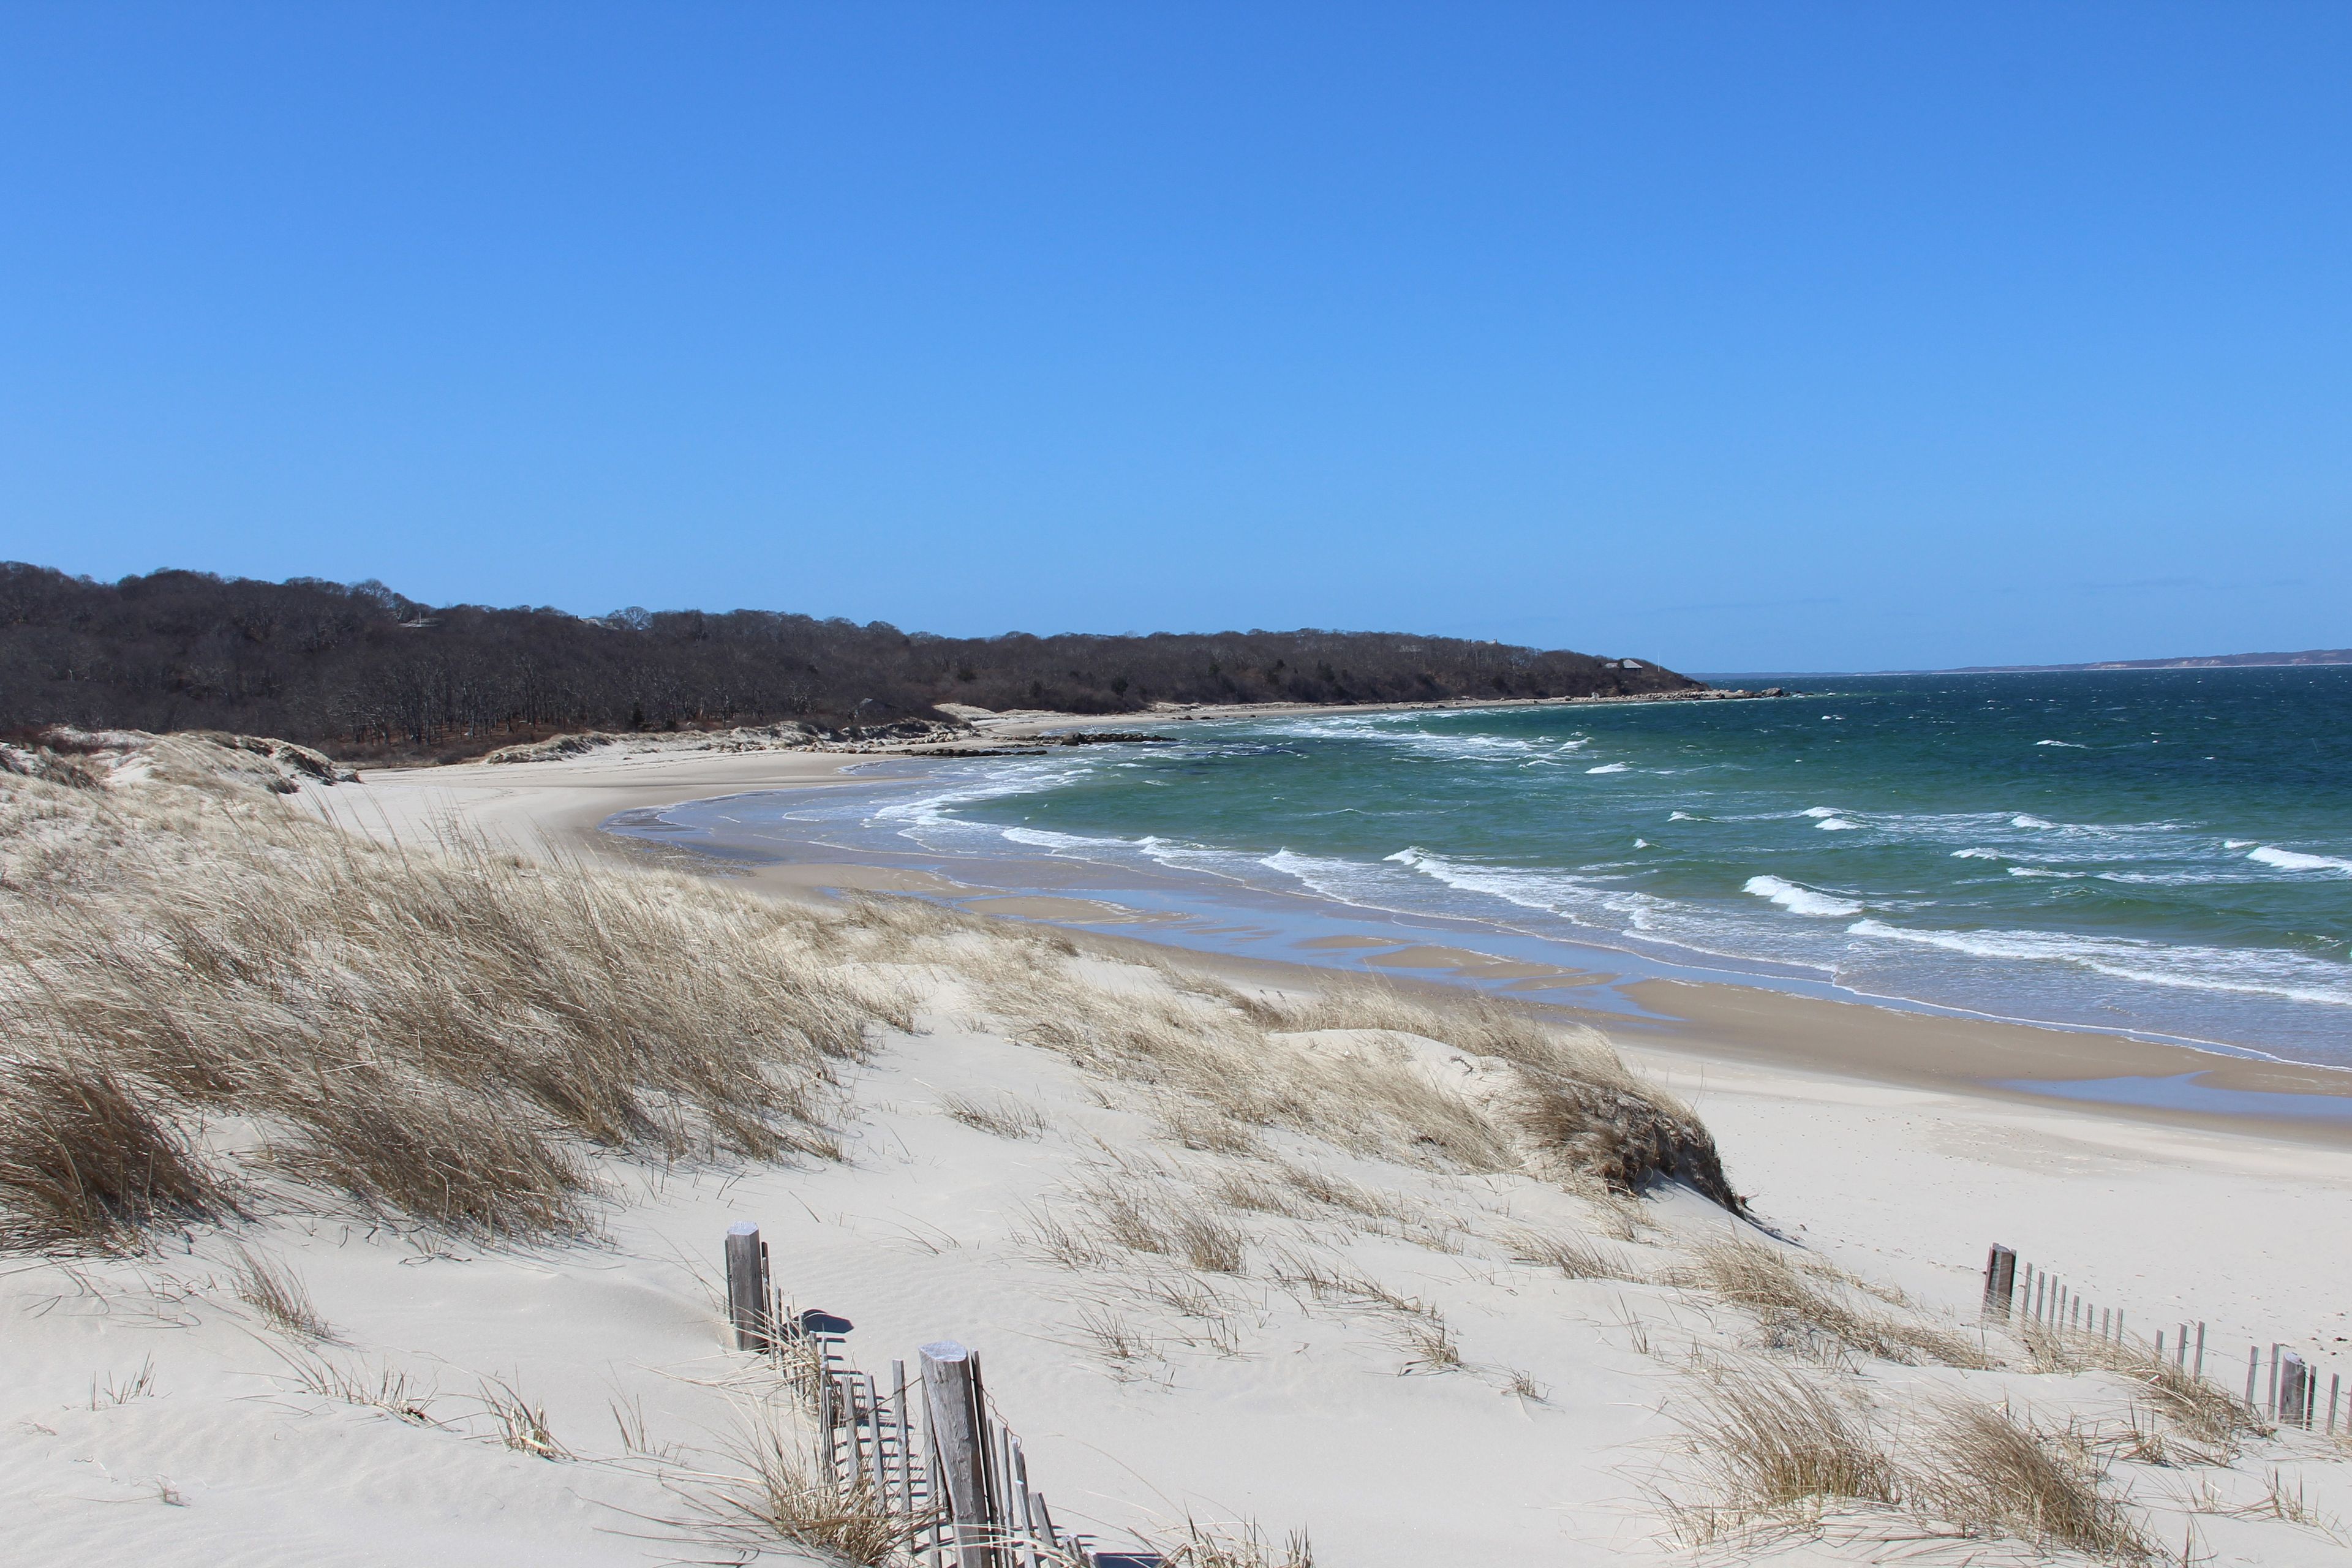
[446,1037]
[1777,1451]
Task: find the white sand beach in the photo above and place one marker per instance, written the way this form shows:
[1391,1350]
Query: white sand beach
[1298,1316]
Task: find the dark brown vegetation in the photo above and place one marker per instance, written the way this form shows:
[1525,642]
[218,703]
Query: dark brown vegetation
[363,670]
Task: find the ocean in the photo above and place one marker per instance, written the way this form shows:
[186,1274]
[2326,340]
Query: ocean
[2164,853]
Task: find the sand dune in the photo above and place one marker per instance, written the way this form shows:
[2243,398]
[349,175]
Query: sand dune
[1269,1247]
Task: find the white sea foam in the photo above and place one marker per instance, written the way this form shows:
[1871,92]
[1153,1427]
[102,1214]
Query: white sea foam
[2243,971]
[1976,855]
[1800,900]
[1347,881]
[1388,730]
[1820,811]
[2022,820]
[1552,892]
[1680,816]
[2295,860]
[2070,745]
[2240,843]
[1836,825]
[2046,871]
[1611,768]
[930,818]
[1046,839]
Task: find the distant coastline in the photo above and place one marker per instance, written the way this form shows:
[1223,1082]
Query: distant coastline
[2319,657]
[2323,656]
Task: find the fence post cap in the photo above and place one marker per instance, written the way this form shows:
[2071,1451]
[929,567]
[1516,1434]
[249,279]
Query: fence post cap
[945,1349]
[742,1228]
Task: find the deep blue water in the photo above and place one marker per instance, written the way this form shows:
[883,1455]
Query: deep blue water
[2167,852]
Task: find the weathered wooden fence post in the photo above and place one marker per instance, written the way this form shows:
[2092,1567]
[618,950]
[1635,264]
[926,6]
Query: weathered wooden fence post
[953,1416]
[2001,1280]
[746,1286]
[2299,1385]
[896,1430]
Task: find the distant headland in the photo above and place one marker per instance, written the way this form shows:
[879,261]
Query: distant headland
[2205,661]
[366,673]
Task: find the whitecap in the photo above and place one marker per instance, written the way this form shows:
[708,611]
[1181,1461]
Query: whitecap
[1976,855]
[1046,839]
[1553,892]
[2044,871]
[2295,860]
[1820,810]
[1800,900]
[2240,971]
[1344,881]
[1680,816]
[2070,745]
[1640,844]
[2022,820]
[2240,843]
[1836,825]
[1611,768]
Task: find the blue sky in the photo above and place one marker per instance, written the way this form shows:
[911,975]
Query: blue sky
[1741,337]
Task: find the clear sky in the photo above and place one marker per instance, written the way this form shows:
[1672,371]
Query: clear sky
[1738,336]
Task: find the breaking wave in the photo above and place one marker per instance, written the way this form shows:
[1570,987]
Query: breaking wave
[1800,900]
[2295,860]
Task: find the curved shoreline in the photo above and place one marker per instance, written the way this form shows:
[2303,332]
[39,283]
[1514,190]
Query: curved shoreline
[561,807]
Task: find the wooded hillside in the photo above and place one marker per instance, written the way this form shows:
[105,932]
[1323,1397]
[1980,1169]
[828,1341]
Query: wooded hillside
[361,669]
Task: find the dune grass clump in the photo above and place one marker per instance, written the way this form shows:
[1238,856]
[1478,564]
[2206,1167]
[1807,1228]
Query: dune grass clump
[522,1425]
[1578,1099]
[406,1147]
[1573,1256]
[774,1492]
[387,1389]
[85,1162]
[1772,1445]
[1139,1214]
[1001,1117]
[1244,1545]
[1806,1306]
[1986,1472]
[1774,1451]
[2202,1411]
[449,1035]
[274,1290]
[1220,1075]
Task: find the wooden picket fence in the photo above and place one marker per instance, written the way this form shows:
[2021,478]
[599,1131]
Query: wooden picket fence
[2025,1294]
[958,1478]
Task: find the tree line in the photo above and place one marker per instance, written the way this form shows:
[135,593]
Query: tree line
[360,670]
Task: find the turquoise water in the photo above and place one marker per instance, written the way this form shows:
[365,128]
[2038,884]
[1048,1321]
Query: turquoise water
[2164,852]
